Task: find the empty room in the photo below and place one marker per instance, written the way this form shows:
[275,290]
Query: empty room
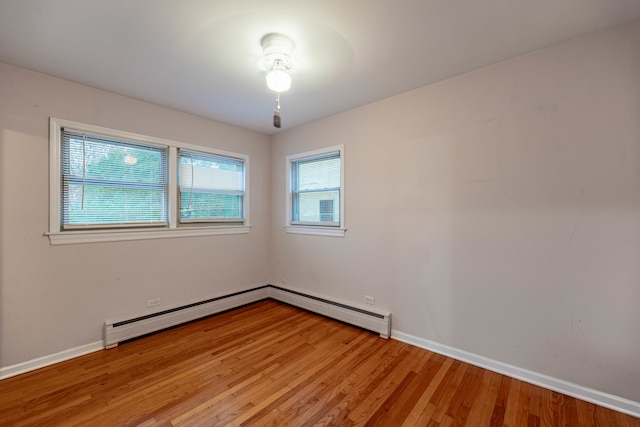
[338,213]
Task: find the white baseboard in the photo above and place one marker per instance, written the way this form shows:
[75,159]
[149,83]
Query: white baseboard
[584,393]
[124,329]
[565,387]
[41,362]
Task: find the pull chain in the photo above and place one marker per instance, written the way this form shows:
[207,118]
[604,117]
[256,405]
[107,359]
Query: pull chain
[276,112]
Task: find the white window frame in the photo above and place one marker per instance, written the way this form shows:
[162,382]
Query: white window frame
[318,230]
[59,237]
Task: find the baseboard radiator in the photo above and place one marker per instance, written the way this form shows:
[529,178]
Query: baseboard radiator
[118,331]
[371,319]
[367,318]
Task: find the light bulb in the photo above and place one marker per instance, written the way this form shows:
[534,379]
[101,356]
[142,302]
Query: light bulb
[278,81]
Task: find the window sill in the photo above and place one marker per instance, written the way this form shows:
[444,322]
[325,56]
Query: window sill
[101,236]
[316,230]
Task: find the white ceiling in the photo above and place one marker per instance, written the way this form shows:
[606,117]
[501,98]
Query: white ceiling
[201,56]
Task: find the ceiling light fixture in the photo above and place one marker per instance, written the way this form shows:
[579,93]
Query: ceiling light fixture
[278,80]
[279,61]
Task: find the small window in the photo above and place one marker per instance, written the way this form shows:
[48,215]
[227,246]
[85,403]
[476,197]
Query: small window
[315,186]
[211,188]
[108,183]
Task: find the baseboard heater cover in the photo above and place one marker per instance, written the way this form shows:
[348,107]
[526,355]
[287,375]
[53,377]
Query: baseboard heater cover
[118,331]
[371,319]
[367,318]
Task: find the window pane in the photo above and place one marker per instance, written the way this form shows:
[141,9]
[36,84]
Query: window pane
[316,189]
[112,205]
[319,207]
[108,182]
[211,187]
[319,174]
[115,161]
[203,205]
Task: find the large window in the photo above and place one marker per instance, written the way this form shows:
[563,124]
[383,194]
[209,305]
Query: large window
[109,185]
[315,192]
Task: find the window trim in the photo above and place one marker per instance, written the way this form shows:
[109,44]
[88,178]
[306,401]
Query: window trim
[59,237]
[306,228]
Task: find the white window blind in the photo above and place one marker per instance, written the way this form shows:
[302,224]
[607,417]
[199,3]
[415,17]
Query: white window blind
[110,183]
[212,188]
[315,190]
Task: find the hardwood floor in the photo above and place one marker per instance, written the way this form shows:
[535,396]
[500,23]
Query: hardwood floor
[272,364]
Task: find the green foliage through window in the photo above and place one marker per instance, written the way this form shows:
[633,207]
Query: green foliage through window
[107,182]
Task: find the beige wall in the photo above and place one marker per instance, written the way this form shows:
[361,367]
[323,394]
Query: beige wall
[56,298]
[497,212]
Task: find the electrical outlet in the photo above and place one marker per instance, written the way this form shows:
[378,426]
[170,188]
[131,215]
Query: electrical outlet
[153,302]
[369,300]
